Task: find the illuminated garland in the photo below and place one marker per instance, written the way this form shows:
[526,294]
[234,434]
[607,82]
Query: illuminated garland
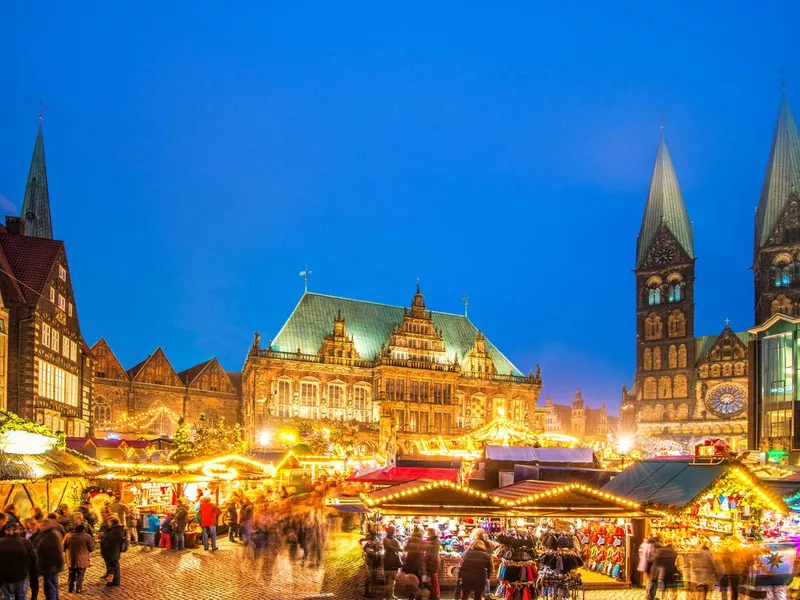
[14,422]
[581,488]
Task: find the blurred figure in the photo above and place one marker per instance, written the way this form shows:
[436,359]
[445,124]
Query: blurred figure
[432,548]
[665,571]
[647,552]
[78,545]
[17,563]
[165,541]
[50,556]
[150,525]
[208,521]
[111,549]
[372,558]
[736,562]
[179,522]
[89,517]
[700,573]
[232,520]
[392,560]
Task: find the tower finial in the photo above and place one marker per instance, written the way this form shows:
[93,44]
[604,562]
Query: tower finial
[783,83]
[304,274]
[465,300]
[42,108]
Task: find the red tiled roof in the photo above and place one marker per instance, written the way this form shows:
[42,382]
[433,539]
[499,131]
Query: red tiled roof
[524,488]
[31,260]
[138,444]
[77,443]
[389,475]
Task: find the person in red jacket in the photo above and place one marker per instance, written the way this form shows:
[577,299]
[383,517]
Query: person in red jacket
[208,522]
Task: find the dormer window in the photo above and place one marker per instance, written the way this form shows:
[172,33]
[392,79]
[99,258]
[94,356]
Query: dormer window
[52,294]
[62,273]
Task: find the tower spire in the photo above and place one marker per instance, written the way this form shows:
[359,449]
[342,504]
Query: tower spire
[664,206]
[36,202]
[783,174]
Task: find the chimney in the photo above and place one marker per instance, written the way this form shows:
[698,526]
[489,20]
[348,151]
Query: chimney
[15,225]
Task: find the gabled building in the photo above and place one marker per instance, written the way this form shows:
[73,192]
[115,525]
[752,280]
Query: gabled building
[586,424]
[50,369]
[420,372]
[686,388]
[150,397]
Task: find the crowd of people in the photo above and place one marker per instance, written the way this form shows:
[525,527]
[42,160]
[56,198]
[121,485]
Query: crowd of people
[701,572]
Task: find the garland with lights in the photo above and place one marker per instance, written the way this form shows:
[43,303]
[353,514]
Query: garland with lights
[207,440]
[13,422]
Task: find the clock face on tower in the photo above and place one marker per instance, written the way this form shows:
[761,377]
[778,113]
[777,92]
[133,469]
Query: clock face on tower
[664,255]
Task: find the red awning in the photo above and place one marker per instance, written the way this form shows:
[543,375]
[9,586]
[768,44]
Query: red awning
[392,475]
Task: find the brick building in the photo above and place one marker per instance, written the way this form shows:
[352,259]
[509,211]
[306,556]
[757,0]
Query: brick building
[150,397]
[50,370]
[428,373]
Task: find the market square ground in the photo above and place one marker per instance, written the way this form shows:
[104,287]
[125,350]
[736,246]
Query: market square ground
[230,574]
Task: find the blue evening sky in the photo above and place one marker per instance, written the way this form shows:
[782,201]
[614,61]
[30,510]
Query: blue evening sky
[199,154]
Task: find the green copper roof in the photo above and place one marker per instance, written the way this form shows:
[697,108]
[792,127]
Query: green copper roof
[370,324]
[36,203]
[664,205]
[783,174]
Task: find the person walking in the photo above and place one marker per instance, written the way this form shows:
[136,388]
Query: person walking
[736,563]
[647,552]
[415,555]
[208,522]
[665,570]
[475,570]
[232,520]
[111,549]
[372,558]
[78,544]
[392,560]
[17,562]
[700,573]
[50,556]
[179,522]
[432,548]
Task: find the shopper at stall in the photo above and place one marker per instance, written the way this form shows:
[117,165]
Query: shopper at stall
[736,563]
[232,520]
[208,521]
[392,560]
[246,521]
[665,570]
[111,549]
[17,563]
[89,516]
[165,541]
[150,525]
[50,556]
[179,522]
[432,548]
[475,570]
[415,555]
[647,553]
[372,558]
[78,544]
[12,514]
[64,517]
[700,573]
[33,576]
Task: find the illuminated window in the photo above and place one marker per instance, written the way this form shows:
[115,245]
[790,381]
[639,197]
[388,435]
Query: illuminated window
[45,335]
[73,352]
[654,295]
[62,273]
[675,292]
[57,384]
[52,294]
[62,302]
[102,413]
[284,398]
[65,347]
[69,309]
[55,341]
[336,401]
[360,404]
[309,394]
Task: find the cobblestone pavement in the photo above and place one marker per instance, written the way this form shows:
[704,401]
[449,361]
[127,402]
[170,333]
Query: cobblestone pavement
[230,573]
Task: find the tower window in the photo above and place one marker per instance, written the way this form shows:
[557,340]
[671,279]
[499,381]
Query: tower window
[654,295]
[675,292]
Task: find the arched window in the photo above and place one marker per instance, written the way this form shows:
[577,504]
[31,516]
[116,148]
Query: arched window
[682,356]
[676,324]
[782,270]
[664,387]
[647,359]
[675,292]
[650,388]
[681,390]
[654,295]
[102,413]
[673,357]
[656,358]
[652,327]
[782,305]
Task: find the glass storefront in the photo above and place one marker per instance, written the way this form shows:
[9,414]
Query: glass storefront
[779,411]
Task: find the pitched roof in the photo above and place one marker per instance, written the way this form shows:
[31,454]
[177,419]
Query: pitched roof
[664,205]
[190,374]
[704,343]
[236,379]
[134,370]
[540,455]
[36,202]
[370,324]
[562,411]
[392,475]
[783,174]
[31,259]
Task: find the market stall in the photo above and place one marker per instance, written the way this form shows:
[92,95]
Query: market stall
[709,499]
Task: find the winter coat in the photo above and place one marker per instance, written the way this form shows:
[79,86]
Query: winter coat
[78,546]
[392,554]
[415,557]
[150,523]
[432,547]
[88,516]
[475,570]
[231,516]
[700,568]
[208,513]
[647,552]
[166,525]
[111,546]
[50,551]
[180,519]
[17,559]
[664,569]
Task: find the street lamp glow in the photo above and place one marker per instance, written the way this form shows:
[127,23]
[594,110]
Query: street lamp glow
[264,438]
[625,444]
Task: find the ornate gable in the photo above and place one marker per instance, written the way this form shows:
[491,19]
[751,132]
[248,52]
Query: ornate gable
[106,363]
[665,250]
[212,378]
[478,360]
[416,338]
[156,369]
[787,227]
[726,357]
[338,345]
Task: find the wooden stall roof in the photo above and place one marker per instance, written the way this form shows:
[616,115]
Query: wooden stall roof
[52,464]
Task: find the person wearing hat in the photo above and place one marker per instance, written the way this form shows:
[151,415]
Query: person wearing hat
[50,555]
[17,561]
[78,544]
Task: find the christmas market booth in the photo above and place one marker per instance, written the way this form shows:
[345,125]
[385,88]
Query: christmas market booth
[36,469]
[711,499]
[531,526]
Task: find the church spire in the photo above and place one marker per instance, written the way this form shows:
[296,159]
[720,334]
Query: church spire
[783,174]
[664,206]
[36,202]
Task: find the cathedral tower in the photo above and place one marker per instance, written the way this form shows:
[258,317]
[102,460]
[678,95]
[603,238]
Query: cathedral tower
[776,262]
[36,202]
[664,272]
